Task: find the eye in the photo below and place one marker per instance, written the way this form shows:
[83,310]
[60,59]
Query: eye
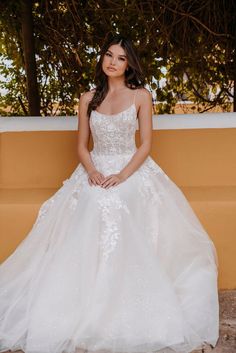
[108,54]
[123,59]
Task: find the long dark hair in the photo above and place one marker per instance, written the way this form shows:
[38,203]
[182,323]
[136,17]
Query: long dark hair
[134,77]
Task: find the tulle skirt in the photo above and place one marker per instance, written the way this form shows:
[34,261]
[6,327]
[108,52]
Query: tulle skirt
[125,269]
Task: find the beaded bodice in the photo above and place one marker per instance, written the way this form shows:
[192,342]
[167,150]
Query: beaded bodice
[114,133]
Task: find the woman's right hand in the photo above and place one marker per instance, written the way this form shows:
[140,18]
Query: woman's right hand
[95,177]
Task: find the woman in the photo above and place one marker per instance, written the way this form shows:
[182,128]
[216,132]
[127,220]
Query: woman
[116,261]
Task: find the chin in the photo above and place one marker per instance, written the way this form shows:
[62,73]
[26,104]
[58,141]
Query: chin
[114,74]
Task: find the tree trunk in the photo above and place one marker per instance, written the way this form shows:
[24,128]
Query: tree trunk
[29,57]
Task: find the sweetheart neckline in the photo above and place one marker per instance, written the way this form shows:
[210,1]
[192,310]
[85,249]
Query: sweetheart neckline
[117,113]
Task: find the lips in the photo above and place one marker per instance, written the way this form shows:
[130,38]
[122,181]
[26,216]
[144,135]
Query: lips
[111,69]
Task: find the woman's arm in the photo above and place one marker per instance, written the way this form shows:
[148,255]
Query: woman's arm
[144,98]
[84,133]
[94,176]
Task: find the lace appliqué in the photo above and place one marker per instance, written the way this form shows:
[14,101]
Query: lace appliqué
[152,198]
[153,168]
[148,190]
[114,134]
[74,198]
[110,205]
[77,179]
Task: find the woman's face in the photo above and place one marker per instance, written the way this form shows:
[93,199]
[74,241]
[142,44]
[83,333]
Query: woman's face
[115,61]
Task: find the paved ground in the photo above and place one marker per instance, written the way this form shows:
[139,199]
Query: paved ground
[227,339]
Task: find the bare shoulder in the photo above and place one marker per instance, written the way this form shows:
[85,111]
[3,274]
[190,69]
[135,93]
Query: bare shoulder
[144,95]
[144,98]
[144,91]
[87,96]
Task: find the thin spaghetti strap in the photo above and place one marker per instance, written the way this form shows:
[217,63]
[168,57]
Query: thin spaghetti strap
[135,95]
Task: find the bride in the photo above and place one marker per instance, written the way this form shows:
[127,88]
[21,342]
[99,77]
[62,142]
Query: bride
[117,260]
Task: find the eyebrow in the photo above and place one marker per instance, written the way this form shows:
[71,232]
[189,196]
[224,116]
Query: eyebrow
[112,53]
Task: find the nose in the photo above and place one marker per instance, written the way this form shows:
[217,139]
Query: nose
[113,61]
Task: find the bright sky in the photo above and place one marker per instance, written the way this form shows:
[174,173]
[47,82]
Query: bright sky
[2,78]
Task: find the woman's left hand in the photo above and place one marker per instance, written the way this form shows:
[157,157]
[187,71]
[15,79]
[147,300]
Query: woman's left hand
[112,180]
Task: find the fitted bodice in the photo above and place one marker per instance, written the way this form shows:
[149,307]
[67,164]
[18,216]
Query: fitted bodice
[114,133]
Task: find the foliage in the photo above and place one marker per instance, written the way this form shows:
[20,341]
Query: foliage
[193,40]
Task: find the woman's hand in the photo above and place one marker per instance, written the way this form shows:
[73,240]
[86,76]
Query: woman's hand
[95,177]
[112,180]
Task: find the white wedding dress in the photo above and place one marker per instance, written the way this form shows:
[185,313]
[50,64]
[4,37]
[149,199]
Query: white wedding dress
[126,269]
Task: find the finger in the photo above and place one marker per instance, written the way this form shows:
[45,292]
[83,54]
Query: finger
[98,181]
[107,179]
[109,184]
[92,184]
[114,183]
[93,181]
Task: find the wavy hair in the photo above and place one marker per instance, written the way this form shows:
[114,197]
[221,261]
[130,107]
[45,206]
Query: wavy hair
[134,77]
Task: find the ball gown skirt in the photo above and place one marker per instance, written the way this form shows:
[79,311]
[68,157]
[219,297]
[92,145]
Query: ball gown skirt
[124,269]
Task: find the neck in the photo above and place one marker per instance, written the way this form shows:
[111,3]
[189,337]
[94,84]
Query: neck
[116,83]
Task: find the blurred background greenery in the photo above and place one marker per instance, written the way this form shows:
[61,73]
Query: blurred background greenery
[49,48]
